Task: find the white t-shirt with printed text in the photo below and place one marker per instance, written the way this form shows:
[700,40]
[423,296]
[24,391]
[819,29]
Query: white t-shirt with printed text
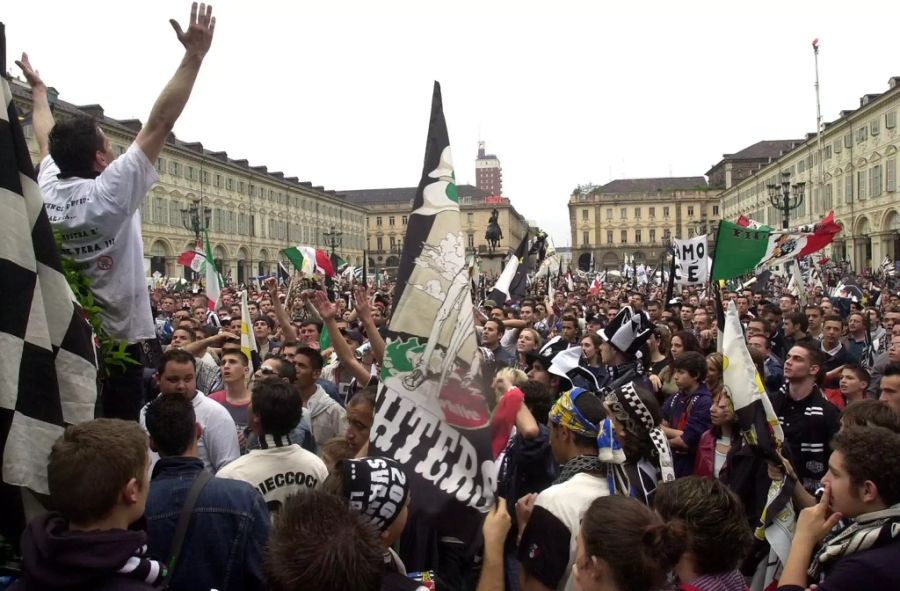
[100,223]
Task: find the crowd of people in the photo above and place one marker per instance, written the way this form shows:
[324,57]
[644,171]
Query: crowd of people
[621,462]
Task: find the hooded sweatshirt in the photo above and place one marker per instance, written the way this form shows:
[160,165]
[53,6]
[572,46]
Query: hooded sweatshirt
[55,557]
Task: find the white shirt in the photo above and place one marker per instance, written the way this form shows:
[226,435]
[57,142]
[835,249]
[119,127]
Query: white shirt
[509,340]
[568,502]
[278,472]
[100,223]
[218,444]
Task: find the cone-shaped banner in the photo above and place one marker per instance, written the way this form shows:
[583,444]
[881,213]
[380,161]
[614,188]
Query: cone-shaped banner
[213,282]
[519,283]
[757,420]
[431,416]
[248,338]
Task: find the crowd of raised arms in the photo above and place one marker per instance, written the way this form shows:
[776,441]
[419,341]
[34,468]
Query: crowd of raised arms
[621,462]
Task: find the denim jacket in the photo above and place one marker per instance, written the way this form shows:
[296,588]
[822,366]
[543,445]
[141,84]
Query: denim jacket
[223,548]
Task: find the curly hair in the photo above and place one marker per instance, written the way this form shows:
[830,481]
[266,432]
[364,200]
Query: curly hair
[719,533]
[871,453]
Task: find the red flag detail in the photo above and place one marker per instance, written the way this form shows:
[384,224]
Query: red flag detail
[823,235]
[324,263]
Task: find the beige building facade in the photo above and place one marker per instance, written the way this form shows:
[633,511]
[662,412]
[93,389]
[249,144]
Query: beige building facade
[852,169]
[253,213]
[631,219]
[388,215]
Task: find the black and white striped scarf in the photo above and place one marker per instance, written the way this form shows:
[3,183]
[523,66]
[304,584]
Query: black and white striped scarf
[142,568]
[269,441]
[861,535]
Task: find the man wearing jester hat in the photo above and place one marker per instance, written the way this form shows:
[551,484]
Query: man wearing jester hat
[624,339]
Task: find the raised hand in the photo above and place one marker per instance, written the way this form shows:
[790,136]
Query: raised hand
[200,29]
[327,310]
[31,75]
[361,303]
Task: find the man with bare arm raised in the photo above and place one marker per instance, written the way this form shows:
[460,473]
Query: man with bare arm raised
[93,198]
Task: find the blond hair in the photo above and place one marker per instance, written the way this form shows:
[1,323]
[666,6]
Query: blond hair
[516,377]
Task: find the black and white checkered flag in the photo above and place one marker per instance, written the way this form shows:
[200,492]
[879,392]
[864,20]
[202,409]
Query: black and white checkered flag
[48,372]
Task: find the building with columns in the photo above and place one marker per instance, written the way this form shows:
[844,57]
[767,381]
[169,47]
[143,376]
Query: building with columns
[253,212]
[851,169]
[388,214]
[632,219]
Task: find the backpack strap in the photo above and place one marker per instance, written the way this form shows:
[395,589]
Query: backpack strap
[184,520]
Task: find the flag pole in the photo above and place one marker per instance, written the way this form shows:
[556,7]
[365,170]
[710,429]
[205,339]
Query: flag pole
[3,51]
[815,45]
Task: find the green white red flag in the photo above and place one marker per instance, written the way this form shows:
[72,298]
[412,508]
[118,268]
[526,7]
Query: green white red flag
[743,250]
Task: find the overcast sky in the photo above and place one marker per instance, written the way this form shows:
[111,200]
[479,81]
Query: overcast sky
[565,92]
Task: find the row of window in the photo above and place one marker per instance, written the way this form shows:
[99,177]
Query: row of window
[396,244]
[379,220]
[161,212]
[861,134]
[219,181]
[872,182]
[392,219]
[623,236]
[864,184]
[651,211]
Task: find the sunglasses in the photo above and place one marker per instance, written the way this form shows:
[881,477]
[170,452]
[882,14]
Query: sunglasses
[265,370]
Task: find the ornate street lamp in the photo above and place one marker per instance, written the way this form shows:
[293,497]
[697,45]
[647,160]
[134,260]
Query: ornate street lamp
[191,219]
[332,239]
[785,197]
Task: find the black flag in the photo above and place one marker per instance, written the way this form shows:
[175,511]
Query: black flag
[431,416]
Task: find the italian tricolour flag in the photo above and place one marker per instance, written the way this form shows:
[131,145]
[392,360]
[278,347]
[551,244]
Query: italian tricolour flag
[309,260]
[742,250]
[197,261]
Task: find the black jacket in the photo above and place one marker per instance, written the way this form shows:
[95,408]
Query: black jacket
[808,424]
[55,557]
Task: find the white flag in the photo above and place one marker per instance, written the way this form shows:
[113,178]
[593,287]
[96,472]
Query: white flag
[691,261]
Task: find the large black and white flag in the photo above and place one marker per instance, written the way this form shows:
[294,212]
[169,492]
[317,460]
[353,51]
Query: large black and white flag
[431,414]
[513,281]
[48,373]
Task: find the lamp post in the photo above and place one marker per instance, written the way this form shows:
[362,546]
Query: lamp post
[666,250]
[196,219]
[191,219]
[332,240]
[786,197]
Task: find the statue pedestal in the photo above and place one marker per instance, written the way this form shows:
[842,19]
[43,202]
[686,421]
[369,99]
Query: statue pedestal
[492,262]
